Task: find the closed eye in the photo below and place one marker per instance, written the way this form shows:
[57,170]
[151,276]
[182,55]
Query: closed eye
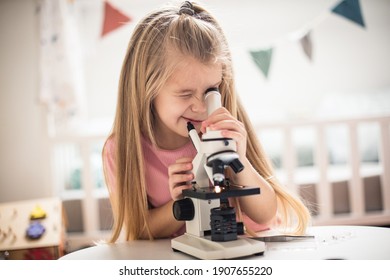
[185,95]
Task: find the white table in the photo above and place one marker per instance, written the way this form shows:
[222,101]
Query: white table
[329,242]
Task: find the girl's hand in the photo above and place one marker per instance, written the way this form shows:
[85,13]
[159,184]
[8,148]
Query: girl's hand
[180,177]
[221,119]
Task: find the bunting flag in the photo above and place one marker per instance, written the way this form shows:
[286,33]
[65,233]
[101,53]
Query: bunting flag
[113,18]
[307,45]
[350,9]
[262,58]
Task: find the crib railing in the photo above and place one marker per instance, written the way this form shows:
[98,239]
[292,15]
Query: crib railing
[77,176]
[354,170]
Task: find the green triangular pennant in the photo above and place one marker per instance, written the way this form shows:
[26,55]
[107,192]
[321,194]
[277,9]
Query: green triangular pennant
[262,59]
[351,10]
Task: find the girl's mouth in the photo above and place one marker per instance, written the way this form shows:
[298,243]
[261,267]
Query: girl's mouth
[193,121]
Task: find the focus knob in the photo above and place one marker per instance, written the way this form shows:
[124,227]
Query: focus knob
[183,209]
[236,165]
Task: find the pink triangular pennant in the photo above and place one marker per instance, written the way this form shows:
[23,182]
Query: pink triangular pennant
[113,18]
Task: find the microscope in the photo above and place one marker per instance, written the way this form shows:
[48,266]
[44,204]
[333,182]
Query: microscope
[212,231]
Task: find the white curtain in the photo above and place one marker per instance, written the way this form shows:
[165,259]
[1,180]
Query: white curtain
[62,87]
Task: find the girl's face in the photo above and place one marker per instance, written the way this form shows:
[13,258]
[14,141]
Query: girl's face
[181,100]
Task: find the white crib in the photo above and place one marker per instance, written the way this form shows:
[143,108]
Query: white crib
[352,192]
[348,193]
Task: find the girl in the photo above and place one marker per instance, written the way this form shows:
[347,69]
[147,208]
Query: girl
[175,55]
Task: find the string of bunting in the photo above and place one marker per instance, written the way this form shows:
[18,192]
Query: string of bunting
[349,9]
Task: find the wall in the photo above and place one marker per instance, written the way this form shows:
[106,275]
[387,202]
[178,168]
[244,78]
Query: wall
[349,62]
[24,161]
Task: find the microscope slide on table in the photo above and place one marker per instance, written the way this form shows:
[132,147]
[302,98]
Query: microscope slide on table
[212,231]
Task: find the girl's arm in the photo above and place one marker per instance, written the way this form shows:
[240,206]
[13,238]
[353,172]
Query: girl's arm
[162,223]
[260,208]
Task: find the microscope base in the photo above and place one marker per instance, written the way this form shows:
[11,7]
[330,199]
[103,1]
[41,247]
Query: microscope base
[204,248]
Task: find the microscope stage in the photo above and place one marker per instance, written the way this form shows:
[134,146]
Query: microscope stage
[224,192]
[206,249]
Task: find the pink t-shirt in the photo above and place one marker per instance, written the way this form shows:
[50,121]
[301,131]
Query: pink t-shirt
[157,162]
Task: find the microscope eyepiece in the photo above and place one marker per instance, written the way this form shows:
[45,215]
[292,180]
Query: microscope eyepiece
[211,89]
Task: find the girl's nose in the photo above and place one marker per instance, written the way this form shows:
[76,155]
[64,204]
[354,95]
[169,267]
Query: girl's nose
[199,104]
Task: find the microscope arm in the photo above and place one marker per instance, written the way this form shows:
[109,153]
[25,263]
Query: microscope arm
[202,173]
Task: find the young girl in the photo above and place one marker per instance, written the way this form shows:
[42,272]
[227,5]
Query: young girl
[175,54]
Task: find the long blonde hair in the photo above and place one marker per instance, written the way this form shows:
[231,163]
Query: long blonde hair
[145,69]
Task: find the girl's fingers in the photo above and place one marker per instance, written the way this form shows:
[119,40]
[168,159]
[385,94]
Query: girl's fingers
[177,192]
[236,136]
[184,160]
[182,165]
[218,115]
[180,177]
[229,126]
[179,168]
[222,119]
[232,125]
